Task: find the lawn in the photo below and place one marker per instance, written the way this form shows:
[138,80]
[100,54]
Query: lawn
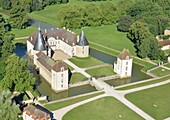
[101,71]
[144,83]
[108,35]
[85,62]
[160,72]
[20,41]
[107,108]
[168,65]
[154,101]
[24,32]
[77,77]
[58,105]
[71,68]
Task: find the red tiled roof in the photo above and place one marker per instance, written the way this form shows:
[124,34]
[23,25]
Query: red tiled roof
[124,54]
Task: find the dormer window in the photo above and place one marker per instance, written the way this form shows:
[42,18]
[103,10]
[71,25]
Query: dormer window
[127,57]
[62,69]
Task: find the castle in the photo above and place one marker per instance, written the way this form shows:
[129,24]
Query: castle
[123,65]
[41,46]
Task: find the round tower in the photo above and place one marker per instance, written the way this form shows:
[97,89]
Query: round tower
[82,46]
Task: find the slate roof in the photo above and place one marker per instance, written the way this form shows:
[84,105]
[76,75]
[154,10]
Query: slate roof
[49,63]
[36,113]
[124,54]
[82,40]
[62,34]
[39,43]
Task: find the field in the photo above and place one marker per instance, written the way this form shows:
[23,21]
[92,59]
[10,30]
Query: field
[107,108]
[77,77]
[58,105]
[154,101]
[85,62]
[160,71]
[24,32]
[101,71]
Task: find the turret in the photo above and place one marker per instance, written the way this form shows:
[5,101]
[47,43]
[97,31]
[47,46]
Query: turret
[123,65]
[82,46]
[40,43]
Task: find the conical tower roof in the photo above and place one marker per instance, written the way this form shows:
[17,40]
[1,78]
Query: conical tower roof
[39,43]
[82,40]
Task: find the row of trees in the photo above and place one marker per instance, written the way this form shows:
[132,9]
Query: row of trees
[143,20]
[75,16]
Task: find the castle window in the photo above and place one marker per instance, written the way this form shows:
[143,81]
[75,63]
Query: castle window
[58,42]
[62,85]
[83,52]
[61,80]
[83,47]
[126,68]
[61,75]
[126,63]
[125,73]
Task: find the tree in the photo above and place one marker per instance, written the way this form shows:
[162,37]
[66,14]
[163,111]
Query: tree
[124,23]
[9,110]
[17,76]
[18,15]
[71,16]
[6,4]
[109,13]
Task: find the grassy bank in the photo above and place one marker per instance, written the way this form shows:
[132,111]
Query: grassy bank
[107,108]
[58,105]
[160,71]
[154,101]
[101,71]
[77,77]
[85,62]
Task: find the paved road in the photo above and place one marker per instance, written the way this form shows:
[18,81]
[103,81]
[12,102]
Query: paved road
[77,69]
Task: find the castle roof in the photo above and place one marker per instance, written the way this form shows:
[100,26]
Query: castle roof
[124,55]
[82,40]
[36,113]
[59,66]
[62,34]
[49,63]
[39,43]
[164,42]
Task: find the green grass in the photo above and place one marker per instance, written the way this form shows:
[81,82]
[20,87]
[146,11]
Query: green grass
[58,105]
[20,41]
[48,15]
[85,62]
[160,71]
[168,65]
[43,101]
[35,93]
[24,32]
[77,77]
[145,83]
[108,35]
[101,71]
[146,99]
[107,108]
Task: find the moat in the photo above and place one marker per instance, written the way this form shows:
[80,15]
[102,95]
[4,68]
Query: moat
[45,89]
